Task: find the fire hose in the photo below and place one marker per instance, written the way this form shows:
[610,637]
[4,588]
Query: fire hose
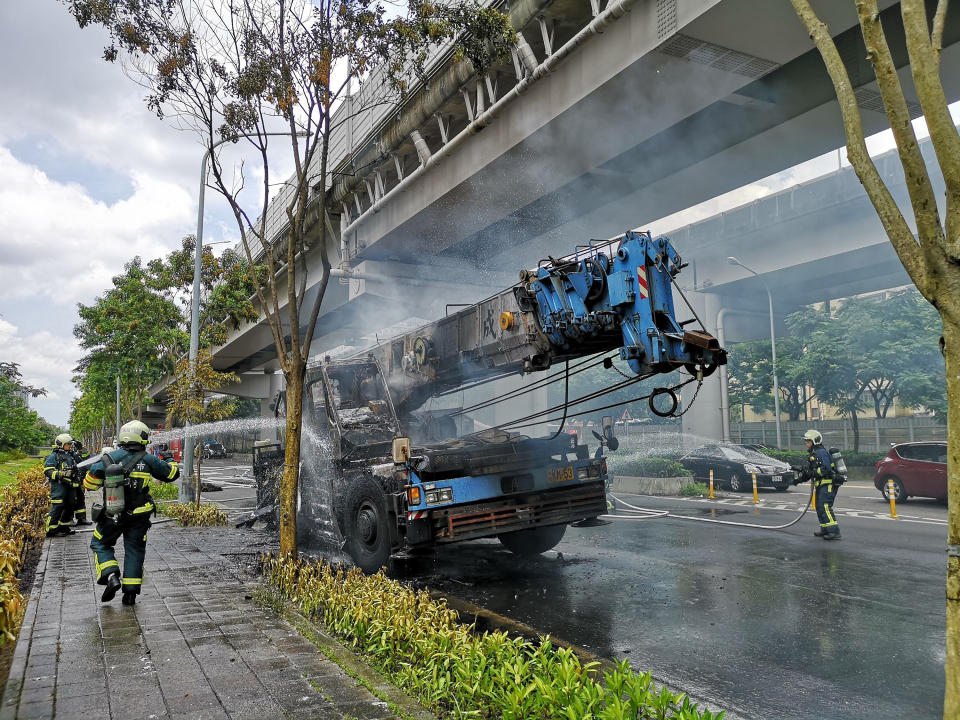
[652,514]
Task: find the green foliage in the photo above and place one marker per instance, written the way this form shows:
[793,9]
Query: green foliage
[643,466]
[421,645]
[862,353]
[162,490]
[189,388]
[190,514]
[140,328]
[20,427]
[694,490]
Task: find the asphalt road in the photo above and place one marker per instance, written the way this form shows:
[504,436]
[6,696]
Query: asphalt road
[765,624]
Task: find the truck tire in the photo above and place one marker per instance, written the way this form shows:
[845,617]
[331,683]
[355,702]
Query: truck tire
[533,541]
[367,525]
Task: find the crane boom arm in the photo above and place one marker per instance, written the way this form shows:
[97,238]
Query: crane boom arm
[613,296]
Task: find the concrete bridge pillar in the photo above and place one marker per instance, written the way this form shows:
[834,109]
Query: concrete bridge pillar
[704,421]
[275,384]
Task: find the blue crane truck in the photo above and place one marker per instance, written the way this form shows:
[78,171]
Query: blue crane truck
[391,495]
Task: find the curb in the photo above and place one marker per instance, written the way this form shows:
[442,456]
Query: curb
[354,665]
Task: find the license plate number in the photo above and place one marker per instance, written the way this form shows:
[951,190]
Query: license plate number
[777,478]
[560,474]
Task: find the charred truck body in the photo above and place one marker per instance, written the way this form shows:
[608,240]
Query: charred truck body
[389,497]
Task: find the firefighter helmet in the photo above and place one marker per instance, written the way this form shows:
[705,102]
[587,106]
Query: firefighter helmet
[133,432]
[63,439]
[813,436]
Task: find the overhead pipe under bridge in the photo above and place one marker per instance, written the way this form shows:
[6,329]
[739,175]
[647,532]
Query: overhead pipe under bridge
[482,120]
[422,107]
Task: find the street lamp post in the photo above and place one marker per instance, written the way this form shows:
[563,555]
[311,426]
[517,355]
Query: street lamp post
[773,346]
[187,492]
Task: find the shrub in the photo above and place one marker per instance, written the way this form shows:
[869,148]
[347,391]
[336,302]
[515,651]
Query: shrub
[163,491]
[694,489]
[190,514]
[11,455]
[22,510]
[656,467]
[420,644]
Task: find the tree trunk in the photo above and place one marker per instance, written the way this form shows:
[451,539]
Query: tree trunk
[291,460]
[951,701]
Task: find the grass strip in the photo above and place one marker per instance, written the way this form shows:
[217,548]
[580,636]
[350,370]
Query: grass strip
[421,646]
[10,469]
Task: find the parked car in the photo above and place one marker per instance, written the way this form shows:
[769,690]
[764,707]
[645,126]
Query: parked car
[917,469]
[733,466]
[214,450]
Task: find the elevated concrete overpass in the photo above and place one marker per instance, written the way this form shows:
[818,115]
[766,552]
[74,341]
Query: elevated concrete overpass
[609,118]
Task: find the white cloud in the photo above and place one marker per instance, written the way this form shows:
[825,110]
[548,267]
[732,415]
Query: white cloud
[58,243]
[45,361]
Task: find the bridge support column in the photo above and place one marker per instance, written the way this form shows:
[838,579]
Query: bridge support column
[703,422]
[275,384]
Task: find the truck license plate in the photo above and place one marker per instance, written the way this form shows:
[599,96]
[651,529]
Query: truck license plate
[777,478]
[560,474]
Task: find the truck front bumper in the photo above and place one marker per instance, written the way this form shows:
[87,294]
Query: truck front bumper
[518,512]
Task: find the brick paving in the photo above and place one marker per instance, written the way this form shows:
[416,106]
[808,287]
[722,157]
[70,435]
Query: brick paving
[194,647]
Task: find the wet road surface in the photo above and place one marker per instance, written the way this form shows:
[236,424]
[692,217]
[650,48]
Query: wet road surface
[765,624]
[773,625]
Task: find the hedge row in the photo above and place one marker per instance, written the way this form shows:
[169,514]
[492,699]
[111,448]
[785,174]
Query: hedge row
[191,514]
[420,644]
[655,467]
[23,506]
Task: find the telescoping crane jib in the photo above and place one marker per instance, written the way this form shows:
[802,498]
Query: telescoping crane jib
[389,495]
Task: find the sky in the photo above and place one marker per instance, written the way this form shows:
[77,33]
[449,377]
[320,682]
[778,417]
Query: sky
[89,178]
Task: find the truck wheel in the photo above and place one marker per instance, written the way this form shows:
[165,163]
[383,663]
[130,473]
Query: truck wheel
[533,541]
[367,525]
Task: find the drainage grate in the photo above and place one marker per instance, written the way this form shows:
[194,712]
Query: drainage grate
[717,56]
[873,100]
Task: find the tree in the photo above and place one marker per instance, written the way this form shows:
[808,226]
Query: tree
[138,329]
[751,382]
[20,427]
[932,255]
[233,69]
[188,401]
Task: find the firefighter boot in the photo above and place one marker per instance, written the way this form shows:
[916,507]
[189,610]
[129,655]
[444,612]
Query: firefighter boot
[129,598]
[820,533]
[113,584]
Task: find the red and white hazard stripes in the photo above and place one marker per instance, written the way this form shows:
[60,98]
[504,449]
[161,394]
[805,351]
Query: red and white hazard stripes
[416,514]
[642,282]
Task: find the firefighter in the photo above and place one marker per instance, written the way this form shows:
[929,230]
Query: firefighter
[60,469]
[78,502]
[129,517]
[820,471]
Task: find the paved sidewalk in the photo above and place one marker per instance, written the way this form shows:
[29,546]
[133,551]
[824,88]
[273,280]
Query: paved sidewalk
[194,647]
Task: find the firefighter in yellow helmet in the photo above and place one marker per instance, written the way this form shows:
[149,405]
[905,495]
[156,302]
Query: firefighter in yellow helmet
[821,471]
[125,509]
[60,470]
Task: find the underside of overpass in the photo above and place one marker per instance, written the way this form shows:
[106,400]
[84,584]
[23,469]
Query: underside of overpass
[663,110]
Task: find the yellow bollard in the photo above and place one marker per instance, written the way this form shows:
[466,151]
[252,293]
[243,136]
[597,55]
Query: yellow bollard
[711,484]
[756,498]
[892,496]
